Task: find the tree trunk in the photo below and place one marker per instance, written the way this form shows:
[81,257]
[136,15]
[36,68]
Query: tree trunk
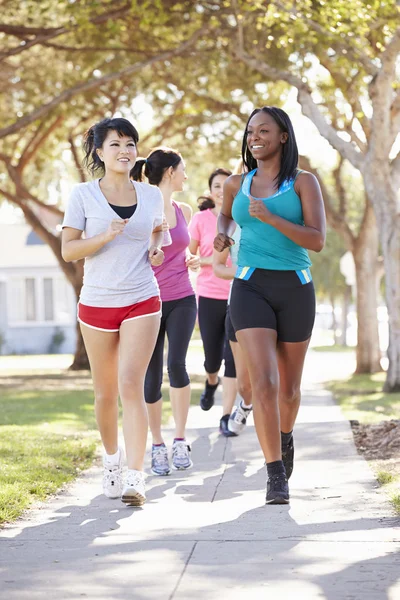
[390,239]
[378,183]
[365,258]
[345,312]
[81,361]
[334,322]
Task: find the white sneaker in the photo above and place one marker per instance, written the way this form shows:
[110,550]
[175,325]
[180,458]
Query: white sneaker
[112,477]
[134,493]
[237,420]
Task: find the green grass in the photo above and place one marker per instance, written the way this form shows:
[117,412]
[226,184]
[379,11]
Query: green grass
[384,477]
[48,434]
[395,499]
[361,398]
[46,439]
[333,348]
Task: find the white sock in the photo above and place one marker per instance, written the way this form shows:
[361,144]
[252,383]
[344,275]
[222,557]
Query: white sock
[112,459]
[246,406]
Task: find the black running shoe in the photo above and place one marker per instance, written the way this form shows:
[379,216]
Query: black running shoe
[223,427]
[207,397]
[288,457]
[277,490]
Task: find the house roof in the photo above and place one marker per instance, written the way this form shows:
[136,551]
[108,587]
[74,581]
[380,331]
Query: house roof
[19,247]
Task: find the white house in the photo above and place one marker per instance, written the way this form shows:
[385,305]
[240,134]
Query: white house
[37,303]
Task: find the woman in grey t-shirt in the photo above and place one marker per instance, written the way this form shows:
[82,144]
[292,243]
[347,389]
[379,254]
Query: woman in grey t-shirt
[119,305]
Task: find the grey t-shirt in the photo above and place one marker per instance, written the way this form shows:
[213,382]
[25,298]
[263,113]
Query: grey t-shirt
[120,273]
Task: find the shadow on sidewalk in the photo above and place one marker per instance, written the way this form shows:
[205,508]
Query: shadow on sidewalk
[85,548]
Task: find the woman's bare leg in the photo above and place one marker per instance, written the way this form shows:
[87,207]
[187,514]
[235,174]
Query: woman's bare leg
[259,350]
[102,351]
[137,341]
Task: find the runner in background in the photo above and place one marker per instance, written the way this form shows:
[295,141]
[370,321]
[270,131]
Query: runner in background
[213,295]
[165,168]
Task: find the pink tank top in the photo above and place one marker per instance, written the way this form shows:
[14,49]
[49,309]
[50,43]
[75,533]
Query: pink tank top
[172,275]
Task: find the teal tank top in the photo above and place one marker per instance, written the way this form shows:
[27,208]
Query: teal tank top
[261,245]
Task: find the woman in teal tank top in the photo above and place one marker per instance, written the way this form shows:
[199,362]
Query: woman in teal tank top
[281,215]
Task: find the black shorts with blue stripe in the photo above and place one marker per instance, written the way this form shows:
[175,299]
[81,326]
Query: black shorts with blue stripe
[279,300]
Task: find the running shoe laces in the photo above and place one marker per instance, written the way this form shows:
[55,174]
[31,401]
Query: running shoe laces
[181,455]
[159,460]
[112,481]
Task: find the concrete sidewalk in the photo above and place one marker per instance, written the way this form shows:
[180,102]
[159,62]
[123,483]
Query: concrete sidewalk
[207,533]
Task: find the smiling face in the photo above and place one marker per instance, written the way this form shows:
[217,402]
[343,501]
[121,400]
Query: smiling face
[217,189]
[178,177]
[264,136]
[118,153]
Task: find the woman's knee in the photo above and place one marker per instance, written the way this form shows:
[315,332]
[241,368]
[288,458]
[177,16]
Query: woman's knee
[152,392]
[130,386]
[178,375]
[289,394]
[265,387]
[106,398]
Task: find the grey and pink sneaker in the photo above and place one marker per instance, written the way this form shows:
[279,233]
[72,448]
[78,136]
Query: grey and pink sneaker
[159,460]
[181,455]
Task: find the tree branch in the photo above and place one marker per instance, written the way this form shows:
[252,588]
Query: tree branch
[77,162]
[340,189]
[32,148]
[101,49]
[357,55]
[44,34]
[21,190]
[69,269]
[395,117]
[336,220]
[310,109]
[380,92]
[95,83]
[395,171]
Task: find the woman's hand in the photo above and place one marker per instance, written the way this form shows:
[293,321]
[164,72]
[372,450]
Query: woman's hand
[258,210]
[164,225]
[116,227]
[156,256]
[193,262]
[223,241]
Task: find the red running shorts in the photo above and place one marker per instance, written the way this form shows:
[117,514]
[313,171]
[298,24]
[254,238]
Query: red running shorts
[111,319]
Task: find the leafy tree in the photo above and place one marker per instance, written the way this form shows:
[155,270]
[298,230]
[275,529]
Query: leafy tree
[342,58]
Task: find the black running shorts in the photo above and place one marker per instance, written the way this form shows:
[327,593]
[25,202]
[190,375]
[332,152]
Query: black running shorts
[279,300]
[230,332]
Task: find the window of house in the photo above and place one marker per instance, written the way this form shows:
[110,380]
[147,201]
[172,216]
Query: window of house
[30,299]
[40,300]
[48,298]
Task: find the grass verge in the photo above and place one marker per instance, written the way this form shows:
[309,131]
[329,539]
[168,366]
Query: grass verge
[369,409]
[48,434]
[334,348]
[46,439]
[361,398]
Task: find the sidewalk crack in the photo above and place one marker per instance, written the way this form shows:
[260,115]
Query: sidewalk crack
[183,572]
[222,474]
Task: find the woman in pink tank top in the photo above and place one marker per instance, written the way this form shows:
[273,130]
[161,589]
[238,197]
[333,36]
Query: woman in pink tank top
[213,295]
[165,168]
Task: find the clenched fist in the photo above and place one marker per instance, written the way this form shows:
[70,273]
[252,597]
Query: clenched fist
[258,210]
[156,256]
[223,241]
[116,227]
